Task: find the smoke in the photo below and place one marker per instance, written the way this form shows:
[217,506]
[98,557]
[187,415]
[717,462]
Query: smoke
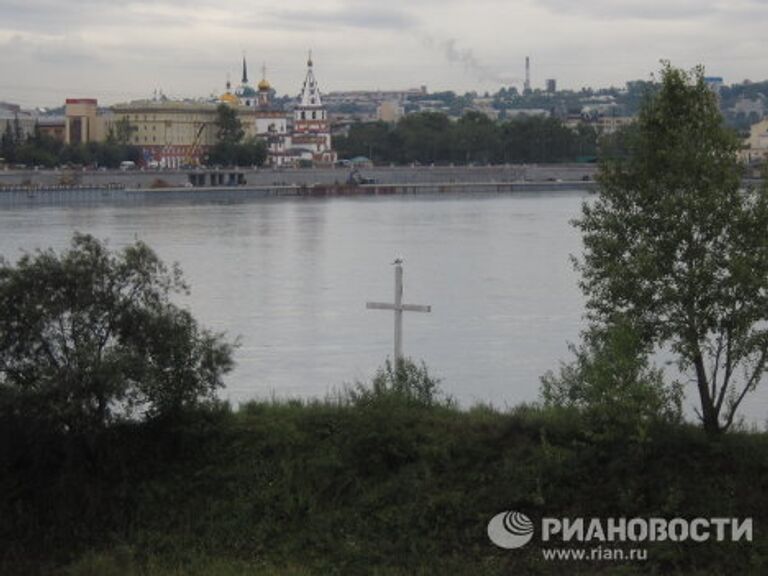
[467,59]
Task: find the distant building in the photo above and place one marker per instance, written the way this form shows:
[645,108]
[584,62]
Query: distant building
[612,124]
[13,118]
[551,85]
[715,83]
[246,95]
[748,106]
[83,123]
[757,143]
[53,126]
[390,111]
[603,123]
[174,133]
[311,137]
[271,124]
[484,106]
[171,133]
[516,112]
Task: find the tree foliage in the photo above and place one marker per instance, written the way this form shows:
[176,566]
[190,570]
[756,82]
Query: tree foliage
[251,153]
[432,138]
[613,381]
[231,150]
[229,127]
[121,132]
[90,336]
[674,244]
[39,149]
[401,382]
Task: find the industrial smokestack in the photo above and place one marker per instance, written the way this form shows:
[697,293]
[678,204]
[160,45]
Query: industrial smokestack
[527,87]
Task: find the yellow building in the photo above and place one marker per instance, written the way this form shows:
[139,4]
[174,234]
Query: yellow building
[174,133]
[83,123]
[757,143]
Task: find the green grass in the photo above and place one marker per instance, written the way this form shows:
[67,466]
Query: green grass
[384,485]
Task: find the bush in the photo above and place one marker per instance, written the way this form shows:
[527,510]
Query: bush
[613,382]
[408,382]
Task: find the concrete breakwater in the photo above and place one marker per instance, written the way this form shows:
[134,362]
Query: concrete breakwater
[47,186]
[43,195]
[305,177]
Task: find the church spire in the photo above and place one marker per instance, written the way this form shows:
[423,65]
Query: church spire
[245,71]
[310,93]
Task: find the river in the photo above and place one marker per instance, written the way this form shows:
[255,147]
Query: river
[290,278]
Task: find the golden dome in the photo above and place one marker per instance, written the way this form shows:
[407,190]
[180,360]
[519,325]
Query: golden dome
[229,98]
[264,85]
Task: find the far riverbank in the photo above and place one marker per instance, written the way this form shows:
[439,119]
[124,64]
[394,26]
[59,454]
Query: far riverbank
[386,175]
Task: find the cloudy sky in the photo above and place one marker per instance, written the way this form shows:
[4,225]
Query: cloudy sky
[120,50]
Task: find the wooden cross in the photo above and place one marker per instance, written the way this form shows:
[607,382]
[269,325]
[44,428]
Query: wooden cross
[399,308]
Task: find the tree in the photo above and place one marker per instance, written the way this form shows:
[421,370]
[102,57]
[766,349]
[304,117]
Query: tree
[674,244]
[8,144]
[230,128]
[425,137]
[90,336]
[121,132]
[251,153]
[476,138]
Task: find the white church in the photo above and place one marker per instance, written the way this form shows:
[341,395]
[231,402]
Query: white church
[303,136]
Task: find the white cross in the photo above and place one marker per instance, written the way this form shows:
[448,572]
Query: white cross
[399,308]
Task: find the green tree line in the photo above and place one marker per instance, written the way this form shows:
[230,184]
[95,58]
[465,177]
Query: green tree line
[432,138]
[39,149]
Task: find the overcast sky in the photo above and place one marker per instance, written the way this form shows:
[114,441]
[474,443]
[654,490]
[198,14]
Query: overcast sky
[122,50]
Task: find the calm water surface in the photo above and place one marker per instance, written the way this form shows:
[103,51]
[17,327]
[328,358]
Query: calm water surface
[290,277]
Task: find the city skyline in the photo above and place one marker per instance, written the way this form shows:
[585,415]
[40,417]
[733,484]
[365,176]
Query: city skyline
[117,51]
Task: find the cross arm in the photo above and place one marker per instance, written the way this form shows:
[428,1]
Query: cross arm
[379,306]
[415,308]
[403,307]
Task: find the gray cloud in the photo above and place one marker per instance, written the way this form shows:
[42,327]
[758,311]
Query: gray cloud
[348,16]
[658,10]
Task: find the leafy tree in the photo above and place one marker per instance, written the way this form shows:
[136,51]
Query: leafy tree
[674,244]
[476,138]
[251,153]
[371,139]
[121,132]
[8,143]
[90,336]
[425,137]
[612,380]
[230,128]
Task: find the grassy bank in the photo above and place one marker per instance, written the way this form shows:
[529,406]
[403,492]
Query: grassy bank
[381,485]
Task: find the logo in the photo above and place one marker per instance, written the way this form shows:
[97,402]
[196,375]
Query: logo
[510,530]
